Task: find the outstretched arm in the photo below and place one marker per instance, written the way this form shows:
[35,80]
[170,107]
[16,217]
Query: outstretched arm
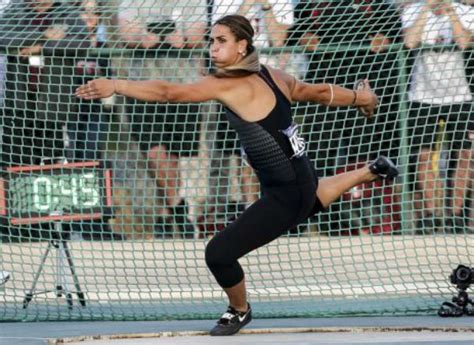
[331,95]
[206,89]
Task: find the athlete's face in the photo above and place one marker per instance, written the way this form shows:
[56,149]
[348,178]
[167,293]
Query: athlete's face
[224,48]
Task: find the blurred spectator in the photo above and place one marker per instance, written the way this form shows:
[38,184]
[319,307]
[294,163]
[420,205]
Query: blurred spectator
[38,92]
[3,70]
[402,3]
[40,36]
[88,127]
[334,35]
[3,59]
[270,20]
[439,91]
[356,23]
[166,132]
[148,23]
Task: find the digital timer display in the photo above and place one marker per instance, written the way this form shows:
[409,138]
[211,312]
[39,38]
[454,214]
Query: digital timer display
[67,193]
[55,192]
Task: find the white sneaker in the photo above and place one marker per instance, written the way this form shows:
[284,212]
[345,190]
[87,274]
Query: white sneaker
[4,276]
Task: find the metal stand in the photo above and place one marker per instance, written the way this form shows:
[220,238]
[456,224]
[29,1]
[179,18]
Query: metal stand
[461,305]
[62,286]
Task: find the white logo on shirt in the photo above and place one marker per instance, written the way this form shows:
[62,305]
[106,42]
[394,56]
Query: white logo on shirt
[297,143]
[244,157]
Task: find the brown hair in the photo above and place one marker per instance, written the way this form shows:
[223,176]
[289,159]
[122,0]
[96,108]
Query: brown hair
[242,30]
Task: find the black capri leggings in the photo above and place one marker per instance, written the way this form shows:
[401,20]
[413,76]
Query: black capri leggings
[279,209]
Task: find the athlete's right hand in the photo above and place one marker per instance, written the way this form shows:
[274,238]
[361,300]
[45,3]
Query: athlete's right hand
[368,109]
[97,88]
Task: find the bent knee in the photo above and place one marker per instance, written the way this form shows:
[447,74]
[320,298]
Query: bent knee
[211,254]
[216,254]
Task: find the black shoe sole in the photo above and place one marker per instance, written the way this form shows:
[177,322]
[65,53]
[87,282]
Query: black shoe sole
[231,331]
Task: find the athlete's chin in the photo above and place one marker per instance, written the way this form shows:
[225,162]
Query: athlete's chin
[219,64]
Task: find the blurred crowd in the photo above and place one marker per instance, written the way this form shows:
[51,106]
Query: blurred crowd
[417,56]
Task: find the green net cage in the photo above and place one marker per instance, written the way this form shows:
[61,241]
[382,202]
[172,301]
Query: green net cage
[107,205]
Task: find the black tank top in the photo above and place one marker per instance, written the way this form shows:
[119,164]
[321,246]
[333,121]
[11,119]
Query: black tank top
[270,143]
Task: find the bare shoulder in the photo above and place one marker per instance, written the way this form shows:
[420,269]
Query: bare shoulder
[230,88]
[209,87]
[286,82]
[211,80]
[220,84]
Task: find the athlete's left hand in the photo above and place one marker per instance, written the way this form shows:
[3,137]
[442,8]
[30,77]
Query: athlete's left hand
[97,88]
